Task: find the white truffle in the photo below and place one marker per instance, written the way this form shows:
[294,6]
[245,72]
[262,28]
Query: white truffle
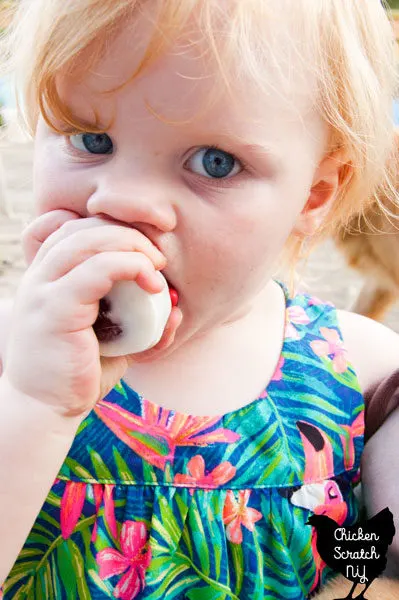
[131,320]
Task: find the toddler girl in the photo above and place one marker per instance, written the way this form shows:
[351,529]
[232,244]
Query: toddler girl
[199,138]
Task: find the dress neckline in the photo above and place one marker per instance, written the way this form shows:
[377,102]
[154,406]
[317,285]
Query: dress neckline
[277,375]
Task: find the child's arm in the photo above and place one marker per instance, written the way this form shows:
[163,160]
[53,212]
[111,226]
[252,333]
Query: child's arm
[34,441]
[33,444]
[52,373]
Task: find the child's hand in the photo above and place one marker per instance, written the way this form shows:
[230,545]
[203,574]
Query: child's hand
[53,353]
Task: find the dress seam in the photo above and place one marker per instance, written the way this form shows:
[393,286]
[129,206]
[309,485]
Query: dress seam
[171,484]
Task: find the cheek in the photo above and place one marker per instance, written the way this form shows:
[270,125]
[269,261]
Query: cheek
[236,253]
[228,253]
[54,186]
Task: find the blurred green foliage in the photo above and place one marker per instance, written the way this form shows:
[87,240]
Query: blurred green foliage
[394,3]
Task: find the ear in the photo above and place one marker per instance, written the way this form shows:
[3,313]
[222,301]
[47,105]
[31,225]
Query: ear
[325,186]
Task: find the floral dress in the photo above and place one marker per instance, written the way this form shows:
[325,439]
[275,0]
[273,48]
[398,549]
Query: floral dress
[155,504]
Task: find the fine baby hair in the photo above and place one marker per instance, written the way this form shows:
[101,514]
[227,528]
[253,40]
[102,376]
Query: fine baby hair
[348,47]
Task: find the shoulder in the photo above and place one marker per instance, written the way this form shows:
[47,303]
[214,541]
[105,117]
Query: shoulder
[373,348]
[6,305]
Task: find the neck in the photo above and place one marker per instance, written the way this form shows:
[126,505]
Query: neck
[237,335]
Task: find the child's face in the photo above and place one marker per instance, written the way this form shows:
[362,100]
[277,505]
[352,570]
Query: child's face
[222,217]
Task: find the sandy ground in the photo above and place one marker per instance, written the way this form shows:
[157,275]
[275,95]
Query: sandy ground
[326,275]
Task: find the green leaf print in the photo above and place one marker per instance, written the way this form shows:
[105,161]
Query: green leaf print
[46,583]
[169,522]
[43,531]
[40,592]
[90,561]
[67,574]
[253,451]
[49,519]
[104,538]
[18,572]
[180,586]
[77,469]
[88,421]
[289,544]
[215,507]
[29,552]
[205,593]
[79,569]
[148,472]
[38,538]
[165,578]
[123,470]
[102,472]
[172,572]
[120,389]
[53,499]
[55,579]
[238,561]
[104,586]
[197,530]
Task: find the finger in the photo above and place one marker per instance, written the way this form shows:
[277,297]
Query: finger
[91,280]
[38,230]
[81,245]
[84,230]
[168,336]
[167,339]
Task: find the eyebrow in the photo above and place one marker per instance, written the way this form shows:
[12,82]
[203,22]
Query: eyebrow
[81,123]
[266,155]
[242,145]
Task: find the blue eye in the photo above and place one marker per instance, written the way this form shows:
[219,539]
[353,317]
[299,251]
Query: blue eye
[214,163]
[94,143]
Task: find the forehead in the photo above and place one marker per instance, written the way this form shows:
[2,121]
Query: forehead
[186,83]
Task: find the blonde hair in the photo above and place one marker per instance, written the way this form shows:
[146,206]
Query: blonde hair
[347,44]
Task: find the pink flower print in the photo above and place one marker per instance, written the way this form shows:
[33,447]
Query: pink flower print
[103,493]
[197,477]
[347,439]
[313,301]
[133,561]
[237,513]
[295,316]
[333,346]
[156,434]
[278,373]
[72,503]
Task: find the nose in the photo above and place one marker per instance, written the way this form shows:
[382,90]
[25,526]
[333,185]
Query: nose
[135,202]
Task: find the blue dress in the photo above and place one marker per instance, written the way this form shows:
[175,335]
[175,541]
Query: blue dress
[156,504]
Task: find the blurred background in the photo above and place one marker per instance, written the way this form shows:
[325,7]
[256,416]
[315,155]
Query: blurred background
[326,274]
